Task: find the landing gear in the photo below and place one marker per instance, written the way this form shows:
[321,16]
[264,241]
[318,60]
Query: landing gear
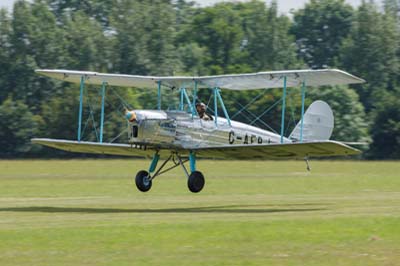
[196,182]
[143,181]
[195,178]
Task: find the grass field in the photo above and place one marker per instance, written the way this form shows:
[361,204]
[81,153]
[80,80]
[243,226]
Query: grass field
[88,212]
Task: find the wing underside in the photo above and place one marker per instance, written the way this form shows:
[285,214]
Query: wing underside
[244,152]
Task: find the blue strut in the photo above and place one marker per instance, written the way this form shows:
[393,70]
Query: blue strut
[223,107]
[103,91]
[303,95]
[283,108]
[195,93]
[216,106]
[154,162]
[159,95]
[80,107]
[192,160]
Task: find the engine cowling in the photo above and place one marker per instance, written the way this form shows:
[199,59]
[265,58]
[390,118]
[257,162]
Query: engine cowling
[150,126]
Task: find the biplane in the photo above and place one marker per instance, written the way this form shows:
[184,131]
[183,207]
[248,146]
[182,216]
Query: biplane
[182,136]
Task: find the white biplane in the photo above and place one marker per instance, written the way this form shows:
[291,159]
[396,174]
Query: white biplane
[181,136]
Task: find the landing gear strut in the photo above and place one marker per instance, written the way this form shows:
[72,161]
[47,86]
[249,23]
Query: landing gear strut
[195,181]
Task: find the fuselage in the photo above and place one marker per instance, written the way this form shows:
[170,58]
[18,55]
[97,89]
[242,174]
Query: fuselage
[183,130]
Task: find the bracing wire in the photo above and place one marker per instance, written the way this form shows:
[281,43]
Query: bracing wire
[208,104]
[254,116]
[292,118]
[126,104]
[248,104]
[266,111]
[91,114]
[119,135]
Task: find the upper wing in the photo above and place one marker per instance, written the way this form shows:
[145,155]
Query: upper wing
[270,79]
[279,151]
[274,79]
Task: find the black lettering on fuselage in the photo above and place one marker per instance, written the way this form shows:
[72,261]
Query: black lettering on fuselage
[231,137]
[246,139]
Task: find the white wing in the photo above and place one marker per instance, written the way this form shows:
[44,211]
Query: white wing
[271,79]
[96,147]
[245,152]
[279,151]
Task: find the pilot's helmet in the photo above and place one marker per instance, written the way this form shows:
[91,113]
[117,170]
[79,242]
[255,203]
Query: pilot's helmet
[200,104]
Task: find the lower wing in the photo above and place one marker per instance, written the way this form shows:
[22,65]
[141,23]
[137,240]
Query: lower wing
[267,151]
[279,151]
[98,148]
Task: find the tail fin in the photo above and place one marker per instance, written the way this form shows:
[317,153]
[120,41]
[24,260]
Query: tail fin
[317,123]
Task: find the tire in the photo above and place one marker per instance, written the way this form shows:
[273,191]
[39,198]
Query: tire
[196,182]
[142,182]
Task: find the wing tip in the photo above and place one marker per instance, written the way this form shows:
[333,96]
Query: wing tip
[357,80]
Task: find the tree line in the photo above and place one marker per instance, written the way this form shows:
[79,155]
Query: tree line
[177,37]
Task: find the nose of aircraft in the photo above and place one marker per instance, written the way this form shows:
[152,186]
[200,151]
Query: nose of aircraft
[130,115]
[138,116]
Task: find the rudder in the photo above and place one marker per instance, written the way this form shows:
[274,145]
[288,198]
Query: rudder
[318,123]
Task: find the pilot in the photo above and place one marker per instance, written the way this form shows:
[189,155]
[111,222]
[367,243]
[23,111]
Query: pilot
[201,110]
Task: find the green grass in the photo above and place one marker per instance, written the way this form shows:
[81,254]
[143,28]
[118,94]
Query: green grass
[88,212]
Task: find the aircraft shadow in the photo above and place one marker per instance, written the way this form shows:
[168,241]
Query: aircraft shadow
[211,209]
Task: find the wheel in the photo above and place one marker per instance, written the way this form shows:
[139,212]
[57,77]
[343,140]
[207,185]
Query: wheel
[196,182]
[142,181]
